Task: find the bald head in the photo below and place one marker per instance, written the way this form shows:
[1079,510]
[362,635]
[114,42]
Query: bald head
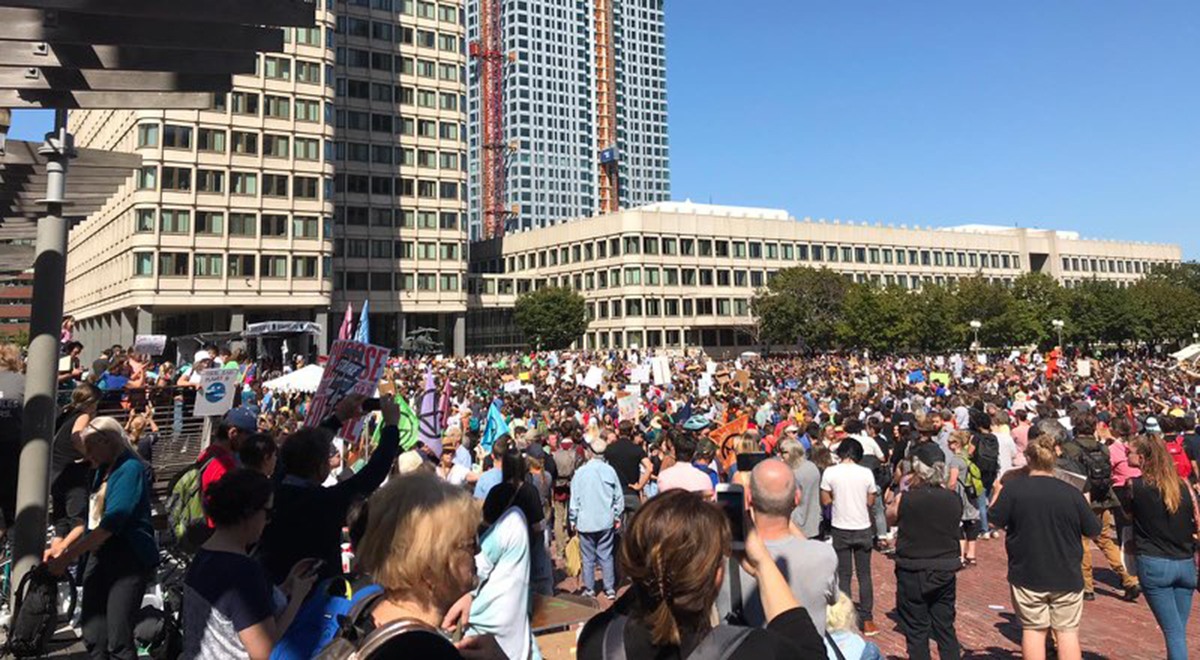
[772,489]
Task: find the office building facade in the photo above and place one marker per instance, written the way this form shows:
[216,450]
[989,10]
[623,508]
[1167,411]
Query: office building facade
[553,148]
[676,275]
[334,175]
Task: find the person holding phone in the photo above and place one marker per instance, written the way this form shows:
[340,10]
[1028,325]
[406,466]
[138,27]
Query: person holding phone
[229,605]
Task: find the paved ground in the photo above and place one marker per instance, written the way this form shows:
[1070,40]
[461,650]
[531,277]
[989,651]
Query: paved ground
[1112,629]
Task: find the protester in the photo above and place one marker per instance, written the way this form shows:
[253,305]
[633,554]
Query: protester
[850,489]
[927,558]
[516,491]
[842,633]
[631,464]
[1044,518]
[967,482]
[683,474]
[69,468]
[119,542]
[1166,522]
[228,603]
[12,401]
[810,567]
[597,502]
[807,514]
[259,453]
[674,551]
[505,568]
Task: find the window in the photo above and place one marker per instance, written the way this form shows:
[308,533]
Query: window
[305,267]
[243,103]
[210,223]
[177,137]
[274,266]
[670,246]
[426,282]
[305,187]
[449,251]
[449,282]
[275,146]
[277,68]
[307,110]
[304,226]
[207,265]
[860,255]
[722,249]
[705,248]
[143,264]
[706,277]
[143,220]
[172,264]
[633,276]
[210,181]
[687,247]
[756,251]
[147,135]
[308,72]
[211,140]
[307,149]
[241,265]
[176,178]
[275,185]
[279,107]
[274,225]
[245,143]
[242,224]
[448,220]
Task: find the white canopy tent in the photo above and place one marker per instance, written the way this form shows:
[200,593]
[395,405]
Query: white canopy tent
[305,380]
[1188,353]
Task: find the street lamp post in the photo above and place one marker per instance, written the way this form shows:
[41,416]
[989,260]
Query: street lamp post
[975,326]
[1058,325]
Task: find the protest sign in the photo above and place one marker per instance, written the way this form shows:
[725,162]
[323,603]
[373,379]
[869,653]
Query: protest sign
[743,378]
[353,368]
[1084,368]
[595,375]
[940,377]
[218,388]
[640,374]
[628,407]
[662,370]
[149,344]
[512,386]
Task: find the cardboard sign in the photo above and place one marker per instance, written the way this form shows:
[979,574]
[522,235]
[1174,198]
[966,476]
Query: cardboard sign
[1084,368]
[743,378]
[353,368]
[595,376]
[218,388]
[150,344]
[661,366]
[628,407]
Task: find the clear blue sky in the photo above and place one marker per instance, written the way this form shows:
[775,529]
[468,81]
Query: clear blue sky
[1069,114]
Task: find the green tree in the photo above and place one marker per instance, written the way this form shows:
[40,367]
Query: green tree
[879,319]
[932,320]
[1038,299]
[802,305]
[989,303]
[1163,311]
[551,318]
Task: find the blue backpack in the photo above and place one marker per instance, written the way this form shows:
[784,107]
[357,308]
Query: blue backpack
[318,621]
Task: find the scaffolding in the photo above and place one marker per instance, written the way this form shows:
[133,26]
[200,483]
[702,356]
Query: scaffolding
[606,108]
[488,50]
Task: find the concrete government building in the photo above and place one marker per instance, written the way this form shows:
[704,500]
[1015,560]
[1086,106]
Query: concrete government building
[334,174]
[672,274]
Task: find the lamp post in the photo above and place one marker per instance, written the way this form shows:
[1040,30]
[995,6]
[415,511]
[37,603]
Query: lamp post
[1058,325]
[975,326]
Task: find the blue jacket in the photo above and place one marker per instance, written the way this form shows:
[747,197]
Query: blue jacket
[127,507]
[596,497]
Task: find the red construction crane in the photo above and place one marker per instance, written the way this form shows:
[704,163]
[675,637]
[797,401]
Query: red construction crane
[606,108]
[489,51]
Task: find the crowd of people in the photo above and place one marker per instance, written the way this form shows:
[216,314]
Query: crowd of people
[621,462]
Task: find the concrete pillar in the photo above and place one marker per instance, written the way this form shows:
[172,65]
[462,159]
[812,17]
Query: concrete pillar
[127,330]
[460,335]
[144,321]
[237,319]
[322,319]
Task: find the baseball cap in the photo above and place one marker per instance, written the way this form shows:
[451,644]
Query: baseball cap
[1152,426]
[242,419]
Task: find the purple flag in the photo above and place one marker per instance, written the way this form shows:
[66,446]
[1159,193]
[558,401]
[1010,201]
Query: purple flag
[430,426]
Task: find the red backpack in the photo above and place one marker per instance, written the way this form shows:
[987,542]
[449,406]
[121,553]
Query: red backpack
[1183,465]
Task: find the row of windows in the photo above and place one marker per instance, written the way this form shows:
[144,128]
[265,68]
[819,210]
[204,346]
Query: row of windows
[218,223]
[271,106]
[387,281]
[215,265]
[382,154]
[352,88]
[691,277]
[397,187]
[418,8]
[378,123]
[219,141]
[357,58]
[655,338]
[363,216]
[1101,265]
[390,32]
[668,307]
[722,248]
[219,181]
[361,248]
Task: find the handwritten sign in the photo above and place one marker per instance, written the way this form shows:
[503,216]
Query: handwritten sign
[150,344]
[353,368]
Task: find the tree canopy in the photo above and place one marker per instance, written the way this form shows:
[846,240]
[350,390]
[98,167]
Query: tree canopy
[823,309]
[551,318]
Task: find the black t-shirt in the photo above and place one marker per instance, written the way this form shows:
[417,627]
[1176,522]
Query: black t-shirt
[12,402]
[1044,518]
[1191,446]
[1156,532]
[626,458]
[63,452]
[501,497]
[788,636]
[929,529]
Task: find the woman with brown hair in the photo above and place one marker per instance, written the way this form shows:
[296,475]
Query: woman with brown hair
[1165,525]
[675,553]
[69,470]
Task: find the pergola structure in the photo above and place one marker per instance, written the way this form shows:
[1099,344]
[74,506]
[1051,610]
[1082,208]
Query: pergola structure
[95,54]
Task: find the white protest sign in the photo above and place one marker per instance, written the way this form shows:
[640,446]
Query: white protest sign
[705,385]
[640,374]
[662,370]
[218,388]
[628,406]
[1084,368]
[149,344]
[512,387]
[595,375]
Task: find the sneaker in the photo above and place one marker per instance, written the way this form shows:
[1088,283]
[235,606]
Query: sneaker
[1089,595]
[869,629]
[611,595]
[1132,593]
[587,593]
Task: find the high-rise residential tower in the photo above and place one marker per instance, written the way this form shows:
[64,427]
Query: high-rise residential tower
[582,110]
[333,175]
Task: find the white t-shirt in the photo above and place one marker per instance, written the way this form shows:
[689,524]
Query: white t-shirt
[849,484]
[457,475]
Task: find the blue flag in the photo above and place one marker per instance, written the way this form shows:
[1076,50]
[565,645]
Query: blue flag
[496,427]
[364,325]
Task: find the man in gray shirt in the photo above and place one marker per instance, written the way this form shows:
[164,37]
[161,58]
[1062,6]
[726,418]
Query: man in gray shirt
[810,567]
[807,514]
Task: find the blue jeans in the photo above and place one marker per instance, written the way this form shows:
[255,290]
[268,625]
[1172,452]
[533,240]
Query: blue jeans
[1168,585]
[593,546]
[981,503]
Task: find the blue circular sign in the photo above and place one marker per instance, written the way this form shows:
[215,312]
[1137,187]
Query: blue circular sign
[214,392]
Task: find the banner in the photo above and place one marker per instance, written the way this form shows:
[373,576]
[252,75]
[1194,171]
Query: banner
[628,407]
[150,344]
[595,375]
[353,368]
[218,388]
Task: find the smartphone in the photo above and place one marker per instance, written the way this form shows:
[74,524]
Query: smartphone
[746,462]
[372,404]
[732,500]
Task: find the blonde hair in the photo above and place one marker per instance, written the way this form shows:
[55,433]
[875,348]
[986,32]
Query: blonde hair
[416,525]
[841,615]
[110,431]
[1040,454]
[10,358]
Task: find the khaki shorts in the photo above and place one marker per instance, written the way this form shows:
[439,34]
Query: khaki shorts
[1039,610]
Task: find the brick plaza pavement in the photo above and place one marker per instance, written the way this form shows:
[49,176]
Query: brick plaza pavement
[1112,629]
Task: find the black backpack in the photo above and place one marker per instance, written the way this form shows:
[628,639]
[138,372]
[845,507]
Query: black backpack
[987,455]
[36,614]
[1098,470]
[156,633]
[359,639]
